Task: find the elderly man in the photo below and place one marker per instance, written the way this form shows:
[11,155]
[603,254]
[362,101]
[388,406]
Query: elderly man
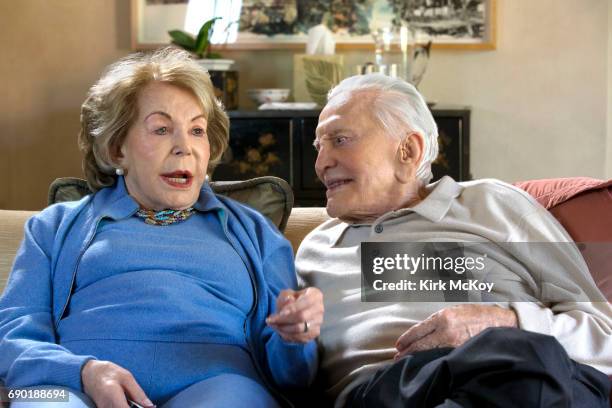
[376,140]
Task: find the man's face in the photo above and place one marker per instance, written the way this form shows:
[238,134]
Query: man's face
[357,159]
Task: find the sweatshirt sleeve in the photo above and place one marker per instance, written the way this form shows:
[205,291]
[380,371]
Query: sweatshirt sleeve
[572,309]
[29,355]
[291,365]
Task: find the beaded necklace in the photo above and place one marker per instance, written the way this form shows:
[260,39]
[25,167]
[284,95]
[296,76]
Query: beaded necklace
[165,217]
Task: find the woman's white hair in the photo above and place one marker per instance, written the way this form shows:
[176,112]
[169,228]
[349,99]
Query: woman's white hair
[399,107]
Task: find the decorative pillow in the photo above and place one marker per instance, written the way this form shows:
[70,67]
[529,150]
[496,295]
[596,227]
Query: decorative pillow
[584,207]
[551,192]
[67,189]
[269,195]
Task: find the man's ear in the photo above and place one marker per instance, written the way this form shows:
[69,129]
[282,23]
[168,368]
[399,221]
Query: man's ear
[411,148]
[409,155]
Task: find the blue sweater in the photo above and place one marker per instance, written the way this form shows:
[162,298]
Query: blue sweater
[43,280]
[179,283]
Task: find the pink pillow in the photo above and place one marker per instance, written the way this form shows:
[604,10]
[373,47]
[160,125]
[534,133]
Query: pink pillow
[551,192]
[584,207]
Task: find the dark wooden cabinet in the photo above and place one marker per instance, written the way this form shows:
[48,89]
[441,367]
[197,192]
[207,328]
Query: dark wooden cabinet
[279,143]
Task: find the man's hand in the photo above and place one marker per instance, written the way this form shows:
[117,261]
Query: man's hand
[453,326]
[110,385]
[299,315]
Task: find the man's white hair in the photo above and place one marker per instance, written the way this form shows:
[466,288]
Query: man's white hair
[399,107]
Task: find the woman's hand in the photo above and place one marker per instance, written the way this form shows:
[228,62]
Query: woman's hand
[299,315]
[110,385]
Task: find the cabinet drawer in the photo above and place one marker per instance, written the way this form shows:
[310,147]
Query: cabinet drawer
[258,148]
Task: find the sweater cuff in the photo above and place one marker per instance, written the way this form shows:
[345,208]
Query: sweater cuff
[294,364]
[68,373]
[533,317]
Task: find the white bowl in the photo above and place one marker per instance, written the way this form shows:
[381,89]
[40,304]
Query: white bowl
[267,95]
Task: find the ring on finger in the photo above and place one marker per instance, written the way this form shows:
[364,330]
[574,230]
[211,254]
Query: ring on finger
[306,327]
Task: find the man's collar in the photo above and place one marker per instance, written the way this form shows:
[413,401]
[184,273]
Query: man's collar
[433,207]
[438,201]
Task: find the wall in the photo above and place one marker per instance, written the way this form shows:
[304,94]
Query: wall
[540,102]
[52,52]
[608,170]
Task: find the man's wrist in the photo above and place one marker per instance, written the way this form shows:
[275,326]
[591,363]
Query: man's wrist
[511,318]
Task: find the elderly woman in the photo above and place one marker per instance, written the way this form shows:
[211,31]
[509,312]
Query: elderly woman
[153,290]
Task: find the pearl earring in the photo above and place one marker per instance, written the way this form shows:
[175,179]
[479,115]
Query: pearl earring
[119,171]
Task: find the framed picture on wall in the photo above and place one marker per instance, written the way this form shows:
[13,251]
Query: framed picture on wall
[152,19]
[269,24]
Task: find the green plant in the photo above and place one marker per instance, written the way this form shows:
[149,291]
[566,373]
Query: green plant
[199,45]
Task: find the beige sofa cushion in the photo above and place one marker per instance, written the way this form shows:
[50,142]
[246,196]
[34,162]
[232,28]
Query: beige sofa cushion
[11,234]
[302,221]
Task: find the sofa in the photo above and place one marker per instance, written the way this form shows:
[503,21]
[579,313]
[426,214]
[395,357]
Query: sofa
[582,205]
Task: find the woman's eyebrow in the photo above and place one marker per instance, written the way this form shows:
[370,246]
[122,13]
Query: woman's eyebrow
[158,113]
[170,117]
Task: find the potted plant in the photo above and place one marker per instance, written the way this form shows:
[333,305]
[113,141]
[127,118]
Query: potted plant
[224,81]
[200,46]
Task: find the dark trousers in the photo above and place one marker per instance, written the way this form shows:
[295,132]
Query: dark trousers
[500,367]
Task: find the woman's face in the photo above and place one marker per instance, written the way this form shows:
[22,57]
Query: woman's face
[165,154]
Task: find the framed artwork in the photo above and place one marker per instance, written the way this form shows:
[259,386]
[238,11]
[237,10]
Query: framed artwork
[152,19]
[269,24]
